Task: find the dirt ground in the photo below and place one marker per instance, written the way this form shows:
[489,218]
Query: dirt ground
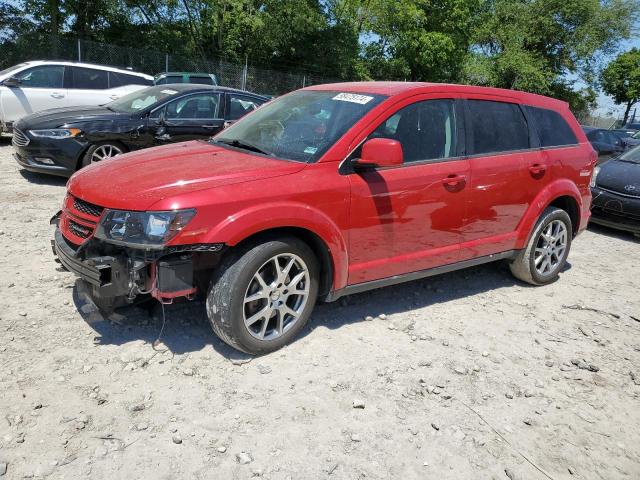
[470,375]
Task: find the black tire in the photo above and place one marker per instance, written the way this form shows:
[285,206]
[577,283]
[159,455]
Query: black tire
[523,266]
[86,158]
[230,282]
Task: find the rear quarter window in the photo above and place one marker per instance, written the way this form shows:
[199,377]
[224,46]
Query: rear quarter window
[117,79]
[553,130]
[496,127]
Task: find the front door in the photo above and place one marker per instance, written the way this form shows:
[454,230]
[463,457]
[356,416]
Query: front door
[187,118]
[409,218]
[40,88]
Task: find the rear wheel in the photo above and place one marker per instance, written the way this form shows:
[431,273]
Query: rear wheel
[101,151]
[546,253]
[262,296]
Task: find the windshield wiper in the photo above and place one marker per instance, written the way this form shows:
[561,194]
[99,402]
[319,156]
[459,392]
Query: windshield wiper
[245,146]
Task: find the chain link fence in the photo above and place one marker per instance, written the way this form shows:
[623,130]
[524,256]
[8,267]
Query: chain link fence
[229,74]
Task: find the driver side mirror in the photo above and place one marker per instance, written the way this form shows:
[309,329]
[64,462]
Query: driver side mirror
[381,152]
[11,82]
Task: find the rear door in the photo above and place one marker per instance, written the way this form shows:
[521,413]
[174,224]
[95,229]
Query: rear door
[40,88]
[187,118]
[88,86]
[502,159]
[409,218]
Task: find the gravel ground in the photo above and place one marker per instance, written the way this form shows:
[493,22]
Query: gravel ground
[469,375]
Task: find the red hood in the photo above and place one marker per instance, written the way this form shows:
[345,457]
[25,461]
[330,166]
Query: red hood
[137,180]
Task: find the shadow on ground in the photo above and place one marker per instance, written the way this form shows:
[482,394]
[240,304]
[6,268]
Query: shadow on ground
[613,233]
[187,329]
[42,179]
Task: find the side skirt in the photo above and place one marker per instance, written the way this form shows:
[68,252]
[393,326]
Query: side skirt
[408,277]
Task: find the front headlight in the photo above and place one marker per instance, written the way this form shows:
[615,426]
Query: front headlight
[594,176]
[142,229]
[56,133]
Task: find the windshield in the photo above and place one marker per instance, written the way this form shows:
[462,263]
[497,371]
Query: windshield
[300,126]
[632,156]
[7,71]
[136,101]
[636,135]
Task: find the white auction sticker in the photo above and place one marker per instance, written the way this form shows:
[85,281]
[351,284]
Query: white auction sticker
[353,98]
[169,92]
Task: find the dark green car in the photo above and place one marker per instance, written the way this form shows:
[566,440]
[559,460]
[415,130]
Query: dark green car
[185,77]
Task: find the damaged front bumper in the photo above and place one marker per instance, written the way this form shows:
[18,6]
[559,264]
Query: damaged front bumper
[116,271]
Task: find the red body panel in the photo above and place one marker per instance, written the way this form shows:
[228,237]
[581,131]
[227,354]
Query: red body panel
[376,223]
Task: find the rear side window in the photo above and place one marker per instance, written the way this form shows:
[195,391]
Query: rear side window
[89,78]
[552,128]
[240,105]
[496,127]
[117,79]
[201,80]
[169,79]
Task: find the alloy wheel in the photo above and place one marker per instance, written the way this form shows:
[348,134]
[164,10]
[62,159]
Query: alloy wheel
[105,151]
[550,248]
[276,296]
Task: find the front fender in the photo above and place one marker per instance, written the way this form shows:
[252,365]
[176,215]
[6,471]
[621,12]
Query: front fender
[267,216]
[557,188]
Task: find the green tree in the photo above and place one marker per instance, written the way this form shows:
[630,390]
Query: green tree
[621,80]
[537,45]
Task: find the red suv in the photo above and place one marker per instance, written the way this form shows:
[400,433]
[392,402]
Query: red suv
[327,191]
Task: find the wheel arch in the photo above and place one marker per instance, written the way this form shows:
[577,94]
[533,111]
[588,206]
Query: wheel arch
[92,143]
[562,194]
[312,239]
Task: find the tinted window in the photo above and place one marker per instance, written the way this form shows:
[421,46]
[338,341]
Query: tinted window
[194,106]
[497,127]
[552,128]
[426,130]
[240,105]
[89,78]
[46,76]
[201,80]
[170,79]
[117,79]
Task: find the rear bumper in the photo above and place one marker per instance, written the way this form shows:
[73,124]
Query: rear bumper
[615,210]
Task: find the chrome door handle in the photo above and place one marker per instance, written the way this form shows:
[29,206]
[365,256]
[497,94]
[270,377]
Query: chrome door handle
[113,97]
[57,95]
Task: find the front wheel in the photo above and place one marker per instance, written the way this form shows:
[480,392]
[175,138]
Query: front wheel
[262,296]
[101,151]
[546,253]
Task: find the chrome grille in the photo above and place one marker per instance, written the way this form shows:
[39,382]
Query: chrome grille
[86,207]
[19,138]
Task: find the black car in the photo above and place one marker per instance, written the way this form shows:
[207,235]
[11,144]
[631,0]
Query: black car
[615,186]
[605,142]
[62,140]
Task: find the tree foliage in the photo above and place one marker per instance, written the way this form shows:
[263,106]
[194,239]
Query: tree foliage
[621,80]
[542,46]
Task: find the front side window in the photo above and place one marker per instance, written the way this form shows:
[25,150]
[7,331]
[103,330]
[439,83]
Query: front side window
[300,126]
[496,127]
[552,128]
[240,105]
[426,130]
[194,106]
[89,78]
[137,101]
[45,76]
